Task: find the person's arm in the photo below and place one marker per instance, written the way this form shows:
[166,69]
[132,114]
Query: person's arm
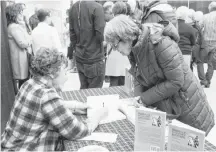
[56,39]
[169,59]
[20,39]
[193,37]
[73,37]
[64,121]
[99,23]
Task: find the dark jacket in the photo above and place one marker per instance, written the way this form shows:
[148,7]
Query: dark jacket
[33,21]
[187,37]
[164,80]
[158,11]
[196,55]
[86,33]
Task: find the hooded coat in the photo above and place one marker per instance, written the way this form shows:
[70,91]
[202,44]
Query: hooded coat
[157,11]
[164,80]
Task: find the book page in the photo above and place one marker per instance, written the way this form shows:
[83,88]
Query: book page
[112,102]
[149,130]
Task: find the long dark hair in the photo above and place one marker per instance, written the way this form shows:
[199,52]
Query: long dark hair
[12,11]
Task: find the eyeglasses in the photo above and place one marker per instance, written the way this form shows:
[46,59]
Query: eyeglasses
[115,46]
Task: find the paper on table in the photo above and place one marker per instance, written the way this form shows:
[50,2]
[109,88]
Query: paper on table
[100,136]
[112,102]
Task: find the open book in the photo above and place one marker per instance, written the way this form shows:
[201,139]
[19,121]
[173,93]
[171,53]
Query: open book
[112,102]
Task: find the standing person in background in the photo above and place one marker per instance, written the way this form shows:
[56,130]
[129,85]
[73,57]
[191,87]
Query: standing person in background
[19,43]
[25,24]
[86,23]
[33,20]
[158,10]
[209,49]
[187,34]
[45,35]
[116,63]
[197,18]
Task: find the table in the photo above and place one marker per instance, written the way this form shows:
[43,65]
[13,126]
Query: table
[124,128]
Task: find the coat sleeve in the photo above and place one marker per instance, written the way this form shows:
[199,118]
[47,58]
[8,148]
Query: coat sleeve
[193,36]
[170,61]
[73,37]
[19,37]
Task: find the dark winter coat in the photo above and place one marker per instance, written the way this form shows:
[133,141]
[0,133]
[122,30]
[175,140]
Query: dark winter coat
[164,80]
[187,37]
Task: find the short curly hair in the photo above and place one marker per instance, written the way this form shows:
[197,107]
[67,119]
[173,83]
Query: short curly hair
[121,27]
[47,62]
[12,11]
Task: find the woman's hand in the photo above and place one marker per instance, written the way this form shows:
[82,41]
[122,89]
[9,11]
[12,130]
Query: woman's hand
[76,106]
[137,102]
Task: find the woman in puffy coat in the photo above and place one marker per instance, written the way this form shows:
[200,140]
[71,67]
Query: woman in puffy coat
[162,78]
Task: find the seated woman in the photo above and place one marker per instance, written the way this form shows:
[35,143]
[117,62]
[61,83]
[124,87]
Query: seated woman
[40,119]
[162,78]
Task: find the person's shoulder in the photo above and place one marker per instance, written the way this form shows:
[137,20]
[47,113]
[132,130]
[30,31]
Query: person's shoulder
[14,27]
[93,4]
[49,94]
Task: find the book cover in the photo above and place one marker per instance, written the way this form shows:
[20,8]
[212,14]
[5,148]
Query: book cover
[150,127]
[185,138]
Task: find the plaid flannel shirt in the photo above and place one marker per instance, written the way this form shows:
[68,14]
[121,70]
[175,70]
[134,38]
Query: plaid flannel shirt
[38,119]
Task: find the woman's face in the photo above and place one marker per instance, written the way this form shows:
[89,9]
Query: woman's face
[60,80]
[124,47]
[20,17]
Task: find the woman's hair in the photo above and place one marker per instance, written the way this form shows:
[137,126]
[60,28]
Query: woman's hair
[119,8]
[121,27]
[212,6]
[47,62]
[182,12]
[107,6]
[12,11]
[198,16]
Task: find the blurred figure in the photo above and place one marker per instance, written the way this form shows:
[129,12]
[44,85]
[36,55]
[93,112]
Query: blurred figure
[135,10]
[33,20]
[197,19]
[116,63]
[119,8]
[209,48]
[19,43]
[190,17]
[45,35]
[86,23]
[26,23]
[158,10]
[108,6]
[187,34]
